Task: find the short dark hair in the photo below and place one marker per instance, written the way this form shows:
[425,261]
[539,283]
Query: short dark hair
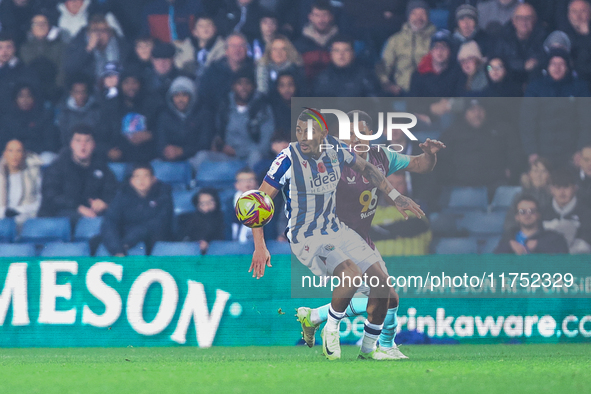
[83,129]
[527,197]
[142,166]
[97,18]
[361,117]
[343,38]
[323,5]
[563,177]
[207,190]
[6,36]
[79,78]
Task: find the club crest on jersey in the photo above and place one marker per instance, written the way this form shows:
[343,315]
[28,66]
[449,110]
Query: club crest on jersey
[329,247]
[332,155]
[321,167]
[364,180]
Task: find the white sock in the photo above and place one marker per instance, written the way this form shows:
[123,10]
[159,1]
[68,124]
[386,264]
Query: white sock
[334,318]
[371,333]
[319,315]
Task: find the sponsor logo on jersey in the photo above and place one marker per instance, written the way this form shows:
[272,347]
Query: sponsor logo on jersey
[305,163]
[351,181]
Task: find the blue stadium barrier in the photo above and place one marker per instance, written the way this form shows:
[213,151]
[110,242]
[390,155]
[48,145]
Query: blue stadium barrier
[17,250]
[43,230]
[218,174]
[61,249]
[87,228]
[443,224]
[222,248]
[7,230]
[465,199]
[489,245]
[182,201]
[503,197]
[439,17]
[176,174]
[277,247]
[137,250]
[456,246]
[479,223]
[120,170]
[176,249]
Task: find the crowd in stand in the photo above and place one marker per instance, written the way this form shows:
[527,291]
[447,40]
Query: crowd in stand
[85,83]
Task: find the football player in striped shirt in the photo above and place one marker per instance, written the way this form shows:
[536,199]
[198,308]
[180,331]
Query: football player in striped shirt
[309,178]
[356,205]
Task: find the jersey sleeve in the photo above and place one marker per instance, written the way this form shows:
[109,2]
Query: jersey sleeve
[279,172]
[346,157]
[397,161]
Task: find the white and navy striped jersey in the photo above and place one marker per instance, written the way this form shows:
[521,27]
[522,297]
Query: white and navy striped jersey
[309,187]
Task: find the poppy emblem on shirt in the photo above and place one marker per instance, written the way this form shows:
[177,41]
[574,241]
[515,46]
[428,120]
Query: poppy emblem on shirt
[98,174]
[321,167]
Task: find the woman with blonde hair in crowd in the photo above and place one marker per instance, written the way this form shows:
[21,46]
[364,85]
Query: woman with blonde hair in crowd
[280,56]
[20,183]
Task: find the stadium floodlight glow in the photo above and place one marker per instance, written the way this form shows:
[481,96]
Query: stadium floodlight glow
[345,128]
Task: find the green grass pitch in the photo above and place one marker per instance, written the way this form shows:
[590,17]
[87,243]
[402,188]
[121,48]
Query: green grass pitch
[559,368]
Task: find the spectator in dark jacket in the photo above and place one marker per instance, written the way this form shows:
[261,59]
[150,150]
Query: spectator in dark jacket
[493,14]
[568,215]
[500,82]
[555,128]
[240,16]
[79,107]
[584,184]
[530,237]
[467,30]
[521,43]
[316,36]
[206,224]
[577,29]
[216,81]
[93,47]
[437,74]
[127,131]
[344,77]
[185,127]
[280,100]
[43,51]
[30,123]
[170,20]
[140,212]
[478,153]
[79,183]
[12,71]
[162,73]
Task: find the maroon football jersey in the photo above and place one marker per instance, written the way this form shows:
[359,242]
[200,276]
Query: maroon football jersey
[357,198]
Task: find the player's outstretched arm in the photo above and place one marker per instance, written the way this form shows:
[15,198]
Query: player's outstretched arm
[261,257]
[426,161]
[375,177]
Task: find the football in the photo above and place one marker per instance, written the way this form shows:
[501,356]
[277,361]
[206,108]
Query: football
[254,208]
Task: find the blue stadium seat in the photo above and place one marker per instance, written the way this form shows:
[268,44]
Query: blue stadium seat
[443,224]
[42,230]
[61,249]
[221,248]
[503,197]
[176,249]
[182,201]
[137,250]
[7,230]
[464,199]
[489,245]
[176,174]
[277,247]
[456,246]
[218,174]
[439,17]
[227,201]
[17,250]
[479,223]
[87,228]
[120,170]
